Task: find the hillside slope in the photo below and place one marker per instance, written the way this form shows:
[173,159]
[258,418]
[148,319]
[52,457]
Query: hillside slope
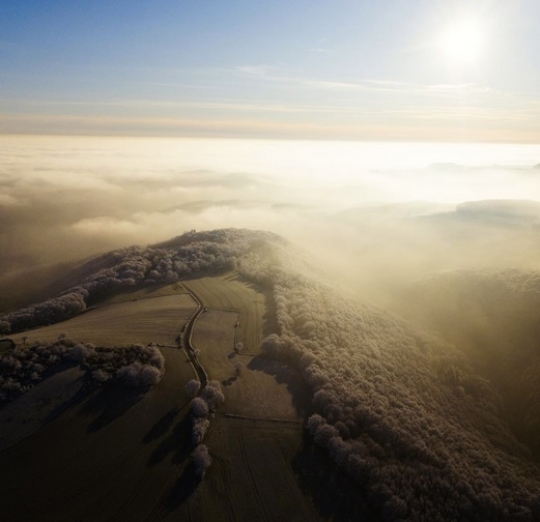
[419,430]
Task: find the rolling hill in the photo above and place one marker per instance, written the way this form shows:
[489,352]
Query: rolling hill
[312,406]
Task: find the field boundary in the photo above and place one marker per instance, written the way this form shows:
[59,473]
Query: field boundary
[260,419]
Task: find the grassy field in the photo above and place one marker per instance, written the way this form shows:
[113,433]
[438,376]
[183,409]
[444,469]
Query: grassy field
[251,478]
[22,417]
[147,292]
[118,455]
[154,319]
[264,388]
[229,293]
[109,457]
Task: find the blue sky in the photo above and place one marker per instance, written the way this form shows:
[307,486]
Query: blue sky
[305,69]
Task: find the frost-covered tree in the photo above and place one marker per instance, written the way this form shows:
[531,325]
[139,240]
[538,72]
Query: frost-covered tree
[137,375]
[213,395]
[192,387]
[5,327]
[201,460]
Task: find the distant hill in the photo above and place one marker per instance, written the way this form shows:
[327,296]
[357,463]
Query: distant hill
[389,211]
[498,212]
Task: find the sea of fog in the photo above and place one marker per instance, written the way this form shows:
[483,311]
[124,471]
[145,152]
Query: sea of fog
[442,172]
[363,204]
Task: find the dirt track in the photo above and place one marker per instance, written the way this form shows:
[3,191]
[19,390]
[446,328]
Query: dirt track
[187,338]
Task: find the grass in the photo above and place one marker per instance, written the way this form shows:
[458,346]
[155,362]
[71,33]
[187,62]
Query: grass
[229,293]
[263,388]
[147,293]
[22,417]
[155,319]
[108,457]
[251,477]
[119,455]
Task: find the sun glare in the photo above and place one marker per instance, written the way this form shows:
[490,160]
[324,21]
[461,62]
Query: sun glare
[462,42]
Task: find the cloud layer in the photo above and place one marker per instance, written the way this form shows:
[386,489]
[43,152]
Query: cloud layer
[359,207]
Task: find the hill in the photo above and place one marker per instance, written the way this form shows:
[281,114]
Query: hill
[403,419]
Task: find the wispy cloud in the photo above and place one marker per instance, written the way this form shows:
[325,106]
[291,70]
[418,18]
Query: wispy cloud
[272,74]
[311,108]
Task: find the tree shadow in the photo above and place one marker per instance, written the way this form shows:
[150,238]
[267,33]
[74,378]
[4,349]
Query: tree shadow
[88,386]
[108,404]
[178,444]
[269,317]
[284,374]
[161,426]
[184,487]
[334,495]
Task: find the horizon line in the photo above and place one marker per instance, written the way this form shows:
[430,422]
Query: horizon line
[315,138]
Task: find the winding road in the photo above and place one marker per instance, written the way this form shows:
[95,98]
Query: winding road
[187,338]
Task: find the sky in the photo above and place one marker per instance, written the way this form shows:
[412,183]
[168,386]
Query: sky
[309,69]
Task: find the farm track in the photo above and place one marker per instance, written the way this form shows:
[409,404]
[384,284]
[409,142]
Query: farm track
[226,480]
[228,294]
[187,339]
[247,466]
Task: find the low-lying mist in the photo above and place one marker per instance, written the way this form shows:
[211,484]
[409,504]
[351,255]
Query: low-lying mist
[379,216]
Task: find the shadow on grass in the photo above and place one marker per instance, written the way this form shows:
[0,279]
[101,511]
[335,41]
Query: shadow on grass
[269,316]
[107,404]
[161,426]
[334,495]
[72,401]
[185,486]
[284,374]
[229,381]
[178,444]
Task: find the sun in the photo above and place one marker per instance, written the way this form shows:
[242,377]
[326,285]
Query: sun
[462,42]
